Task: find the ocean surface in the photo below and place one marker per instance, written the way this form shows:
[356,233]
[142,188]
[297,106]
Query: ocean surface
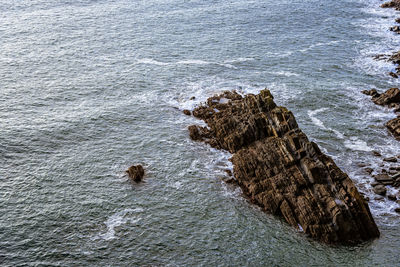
[90,87]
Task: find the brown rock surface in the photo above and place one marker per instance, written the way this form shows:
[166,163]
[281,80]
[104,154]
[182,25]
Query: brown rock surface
[389,97]
[136,173]
[280,170]
[392,4]
[394,127]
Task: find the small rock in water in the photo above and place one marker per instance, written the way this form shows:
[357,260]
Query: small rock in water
[187,112]
[373,184]
[397,210]
[390,159]
[371,92]
[136,173]
[362,165]
[368,170]
[397,20]
[380,190]
[376,153]
[384,179]
[392,197]
[193,98]
[394,75]
[228,172]
[394,168]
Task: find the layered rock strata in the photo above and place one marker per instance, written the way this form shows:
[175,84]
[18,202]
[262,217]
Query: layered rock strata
[280,170]
[391,99]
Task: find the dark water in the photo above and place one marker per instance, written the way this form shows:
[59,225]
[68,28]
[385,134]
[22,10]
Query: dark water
[90,87]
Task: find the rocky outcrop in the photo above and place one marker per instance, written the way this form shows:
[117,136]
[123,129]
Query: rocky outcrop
[394,127]
[136,172]
[392,4]
[280,170]
[391,96]
[391,99]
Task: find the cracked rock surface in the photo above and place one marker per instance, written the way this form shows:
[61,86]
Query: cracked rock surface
[280,170]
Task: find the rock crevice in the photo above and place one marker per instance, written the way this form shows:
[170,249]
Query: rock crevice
[280,170]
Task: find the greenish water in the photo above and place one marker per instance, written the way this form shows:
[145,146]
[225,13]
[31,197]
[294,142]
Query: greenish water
[89,88]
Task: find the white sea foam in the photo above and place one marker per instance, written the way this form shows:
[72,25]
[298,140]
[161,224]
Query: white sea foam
[151,61]
[355,143]
[315,120]
[118,219]
[320,44]
[284,73]
[241,59]
[227,63]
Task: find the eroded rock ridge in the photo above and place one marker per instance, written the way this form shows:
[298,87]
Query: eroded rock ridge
[280,170]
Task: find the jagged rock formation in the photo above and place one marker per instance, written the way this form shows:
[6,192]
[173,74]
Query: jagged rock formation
[394,127]
[136,173]
[390,98]
[392,4]
[280,170]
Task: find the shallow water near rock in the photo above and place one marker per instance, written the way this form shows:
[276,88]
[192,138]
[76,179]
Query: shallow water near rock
[89,88]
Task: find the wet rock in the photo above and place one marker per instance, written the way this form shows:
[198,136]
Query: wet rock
[380,190]
[228,172]
[394,75]
[396,176]
[136,173]
[390,96]
[376,153]
[362,165]
[397,210]
[193,98]
[381,57]
[280,170]
[394,127]
[398,202]
[390,159]
[368,170]
[392,4]
[395,29]
[392,197]
[187,112]
[230,181]
[394,168]
[371,92]
[397,20]
[373,184]
[395,58]
[384,179]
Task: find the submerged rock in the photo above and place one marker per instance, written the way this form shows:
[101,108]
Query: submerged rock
[280,170]
[136,173]
[380,190]
[187,112]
